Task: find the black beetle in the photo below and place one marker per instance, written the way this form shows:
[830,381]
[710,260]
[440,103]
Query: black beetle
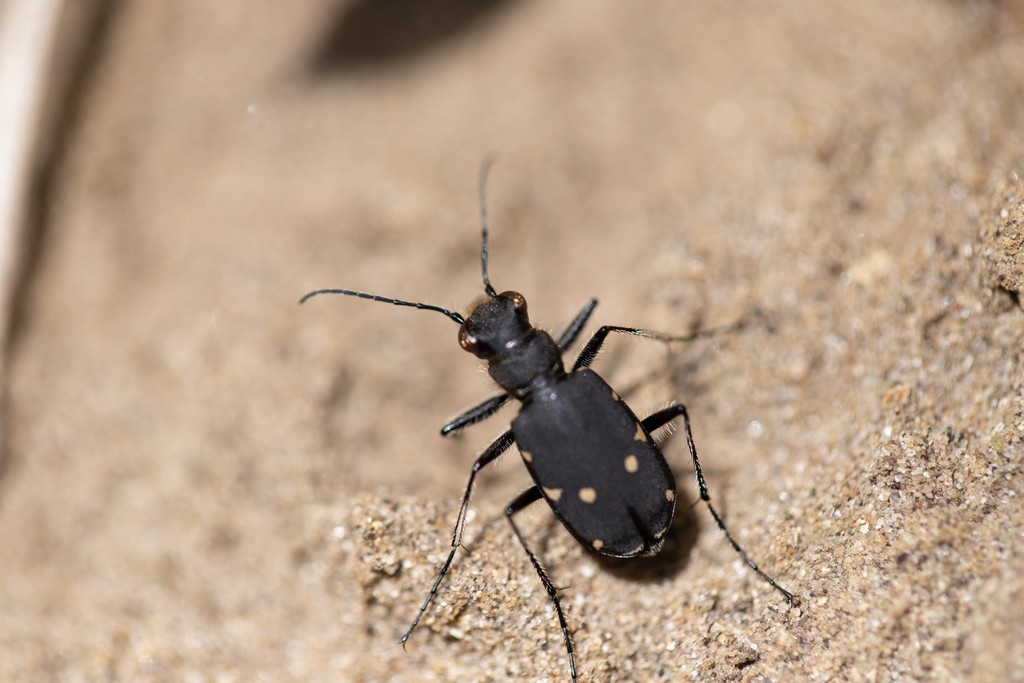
[591,458]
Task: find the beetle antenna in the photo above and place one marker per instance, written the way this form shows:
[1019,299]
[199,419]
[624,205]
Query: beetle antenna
[397,302]
[484,169]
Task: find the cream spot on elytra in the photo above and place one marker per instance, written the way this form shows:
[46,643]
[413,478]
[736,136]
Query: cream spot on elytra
[553,494]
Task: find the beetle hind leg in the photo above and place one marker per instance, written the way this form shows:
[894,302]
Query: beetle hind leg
[663,417]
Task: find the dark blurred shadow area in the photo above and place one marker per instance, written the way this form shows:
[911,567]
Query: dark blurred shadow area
[370,33]
[670,561]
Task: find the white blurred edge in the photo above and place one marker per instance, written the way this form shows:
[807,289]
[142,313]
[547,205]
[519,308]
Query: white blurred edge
[27,31]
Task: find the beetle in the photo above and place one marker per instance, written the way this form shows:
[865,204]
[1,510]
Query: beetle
[592,460]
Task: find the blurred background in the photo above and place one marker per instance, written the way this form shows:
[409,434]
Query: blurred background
[200,479]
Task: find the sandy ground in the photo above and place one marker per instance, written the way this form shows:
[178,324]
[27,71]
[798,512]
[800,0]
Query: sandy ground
[205,481]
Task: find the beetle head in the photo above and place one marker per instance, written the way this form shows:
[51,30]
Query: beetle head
[500,322]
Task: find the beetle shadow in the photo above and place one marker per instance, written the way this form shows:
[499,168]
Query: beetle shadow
[671,560]
[377,33]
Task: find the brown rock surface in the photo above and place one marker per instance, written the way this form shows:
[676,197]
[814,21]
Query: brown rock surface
[205,481]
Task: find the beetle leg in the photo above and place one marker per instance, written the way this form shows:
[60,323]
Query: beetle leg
[476,414]
[663,417]
[497,447]
[573,331]
[487,408]
[532,495]
[590,351]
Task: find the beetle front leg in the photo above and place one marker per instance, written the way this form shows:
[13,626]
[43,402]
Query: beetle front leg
[573,330]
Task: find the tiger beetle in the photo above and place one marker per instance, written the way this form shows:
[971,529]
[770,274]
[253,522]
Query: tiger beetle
[591,458]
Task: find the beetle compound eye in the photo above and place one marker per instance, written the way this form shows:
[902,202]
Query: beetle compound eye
[467,341]
[518,300]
